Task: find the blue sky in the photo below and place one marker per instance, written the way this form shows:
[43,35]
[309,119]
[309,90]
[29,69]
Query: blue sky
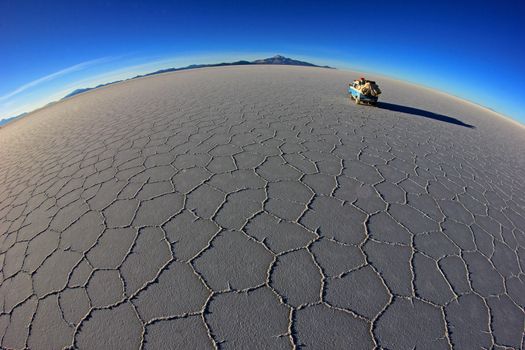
[472,49]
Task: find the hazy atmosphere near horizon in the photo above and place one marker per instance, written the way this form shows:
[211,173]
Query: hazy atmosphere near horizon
[471,49]
[269,175]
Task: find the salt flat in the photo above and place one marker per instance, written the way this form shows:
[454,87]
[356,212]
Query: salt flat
[257,208]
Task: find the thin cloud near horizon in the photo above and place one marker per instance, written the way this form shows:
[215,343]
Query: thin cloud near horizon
[49,77]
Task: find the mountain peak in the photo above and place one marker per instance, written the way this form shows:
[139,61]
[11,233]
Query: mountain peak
[279,59]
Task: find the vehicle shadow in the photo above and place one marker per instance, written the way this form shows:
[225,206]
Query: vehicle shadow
[422,113]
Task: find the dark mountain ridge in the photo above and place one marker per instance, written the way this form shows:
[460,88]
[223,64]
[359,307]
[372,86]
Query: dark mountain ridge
[8,120]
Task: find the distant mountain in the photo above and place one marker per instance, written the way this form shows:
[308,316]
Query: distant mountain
[79,91]
[8,120]
[278,59]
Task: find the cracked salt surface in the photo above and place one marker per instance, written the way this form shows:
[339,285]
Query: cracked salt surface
[255,207]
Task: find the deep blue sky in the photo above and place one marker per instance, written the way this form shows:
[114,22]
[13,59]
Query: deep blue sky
[473,49]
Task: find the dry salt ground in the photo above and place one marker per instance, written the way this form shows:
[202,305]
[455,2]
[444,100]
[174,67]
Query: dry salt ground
[259,208]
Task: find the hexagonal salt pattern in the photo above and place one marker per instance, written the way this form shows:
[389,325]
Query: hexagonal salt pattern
[255,207]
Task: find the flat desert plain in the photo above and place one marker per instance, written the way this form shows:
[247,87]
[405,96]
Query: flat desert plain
[259,208]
